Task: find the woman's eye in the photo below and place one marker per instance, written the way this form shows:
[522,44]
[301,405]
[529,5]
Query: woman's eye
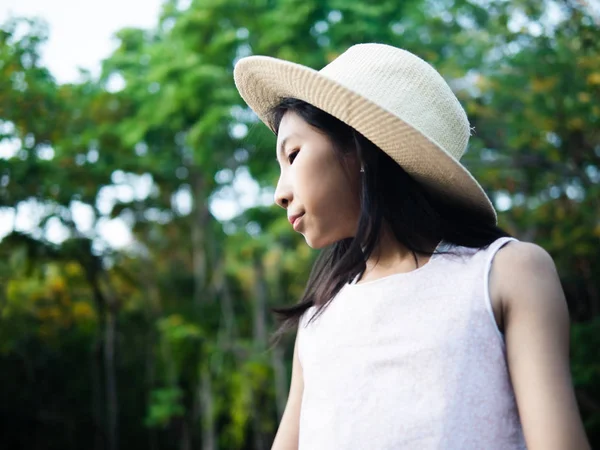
[292,156]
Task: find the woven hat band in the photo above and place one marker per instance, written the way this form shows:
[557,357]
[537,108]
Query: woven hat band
[406,86]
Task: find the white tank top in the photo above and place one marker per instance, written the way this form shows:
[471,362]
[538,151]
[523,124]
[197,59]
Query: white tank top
[410,361]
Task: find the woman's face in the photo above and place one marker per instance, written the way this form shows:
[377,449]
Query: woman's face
[317,188]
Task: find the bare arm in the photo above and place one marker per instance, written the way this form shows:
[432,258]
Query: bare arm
[536,322]
[287,434]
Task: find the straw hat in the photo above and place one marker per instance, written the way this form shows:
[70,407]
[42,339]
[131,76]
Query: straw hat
[394,98]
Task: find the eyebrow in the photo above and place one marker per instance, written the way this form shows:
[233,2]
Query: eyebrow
[282,145]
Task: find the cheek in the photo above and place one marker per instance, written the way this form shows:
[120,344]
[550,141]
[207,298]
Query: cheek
[331,202]
[317,185]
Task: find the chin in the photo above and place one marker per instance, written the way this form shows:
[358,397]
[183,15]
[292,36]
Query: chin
[317,243]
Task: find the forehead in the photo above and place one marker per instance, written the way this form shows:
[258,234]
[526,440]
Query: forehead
[291,123]
[291,127]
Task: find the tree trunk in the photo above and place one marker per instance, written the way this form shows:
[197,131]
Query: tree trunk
[260,342]
[258,435]
[200,224]
[186,439]
[281,379]
[150,375]
[209,440]
[110,343]
[200,231]
[106,307]
[97,388]
[260,305]
[153,311]
[228,312]
[111,381]
[278,360]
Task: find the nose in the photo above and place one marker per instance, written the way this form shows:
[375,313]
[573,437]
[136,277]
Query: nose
[283,193]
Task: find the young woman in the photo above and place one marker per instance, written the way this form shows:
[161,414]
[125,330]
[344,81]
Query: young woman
[423,325]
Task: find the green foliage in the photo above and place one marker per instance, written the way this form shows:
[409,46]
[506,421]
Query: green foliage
[184,310]
[165,404]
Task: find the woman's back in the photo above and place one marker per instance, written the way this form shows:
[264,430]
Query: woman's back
[410,361]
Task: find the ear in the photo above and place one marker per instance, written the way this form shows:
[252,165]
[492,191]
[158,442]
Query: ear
[353,163]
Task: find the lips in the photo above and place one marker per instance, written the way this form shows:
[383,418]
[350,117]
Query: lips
[294,219]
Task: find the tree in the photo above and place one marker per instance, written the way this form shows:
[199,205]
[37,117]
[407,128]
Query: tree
[171,332]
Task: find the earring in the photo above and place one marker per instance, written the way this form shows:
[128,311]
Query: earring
[362,169]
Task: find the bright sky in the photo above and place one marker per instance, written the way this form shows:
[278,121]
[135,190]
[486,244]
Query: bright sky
[80,36]
[81,30]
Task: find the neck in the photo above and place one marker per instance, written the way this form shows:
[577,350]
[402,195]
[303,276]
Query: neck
[390,256]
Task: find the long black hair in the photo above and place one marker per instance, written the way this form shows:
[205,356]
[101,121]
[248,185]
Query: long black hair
[389,196]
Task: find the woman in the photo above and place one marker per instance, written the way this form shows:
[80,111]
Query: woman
[423,324]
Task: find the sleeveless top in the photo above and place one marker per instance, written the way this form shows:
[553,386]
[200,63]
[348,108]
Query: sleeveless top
[410,361]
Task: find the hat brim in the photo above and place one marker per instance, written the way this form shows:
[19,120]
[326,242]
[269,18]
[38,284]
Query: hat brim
[263,82]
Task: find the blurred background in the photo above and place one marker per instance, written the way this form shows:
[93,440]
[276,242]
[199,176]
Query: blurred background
[140,251]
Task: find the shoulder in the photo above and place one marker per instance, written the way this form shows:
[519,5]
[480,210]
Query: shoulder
[525,262]
[524,277]
[518,258]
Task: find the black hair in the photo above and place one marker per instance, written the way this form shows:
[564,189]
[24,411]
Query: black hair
[417,217]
